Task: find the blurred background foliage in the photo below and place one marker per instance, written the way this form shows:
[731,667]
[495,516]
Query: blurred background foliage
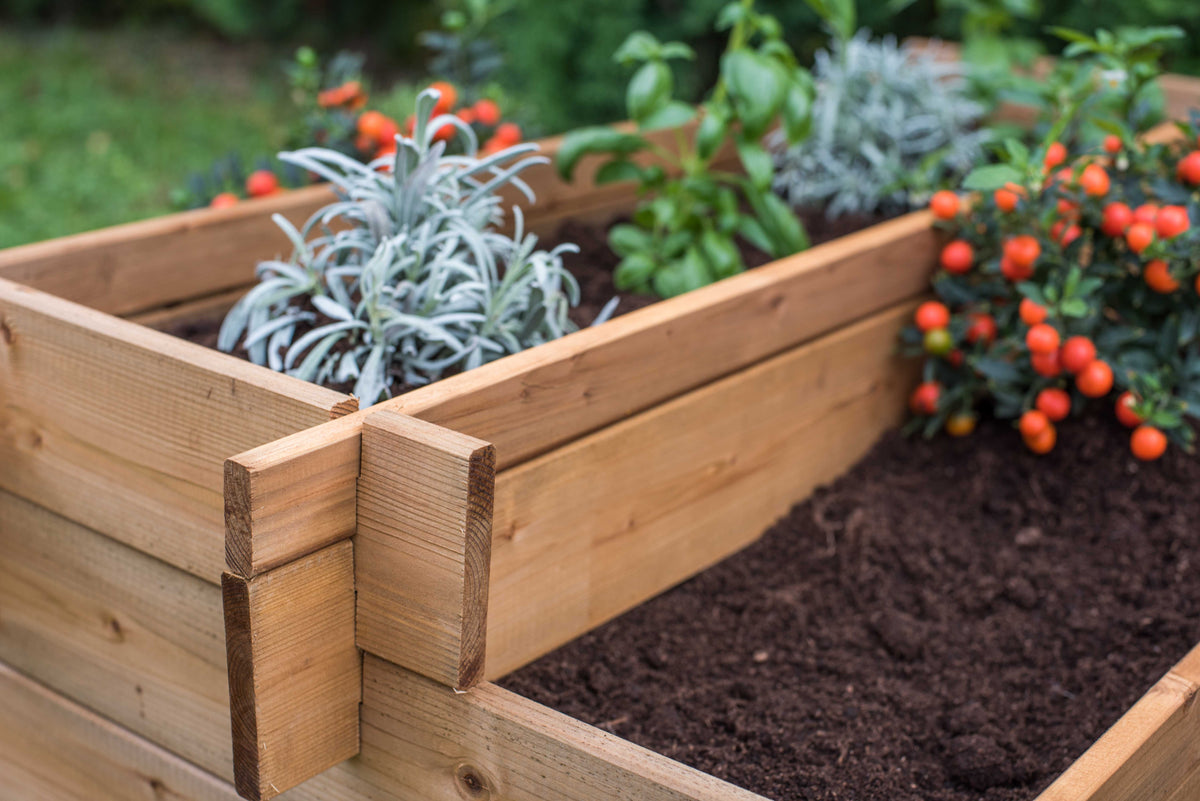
[119,100]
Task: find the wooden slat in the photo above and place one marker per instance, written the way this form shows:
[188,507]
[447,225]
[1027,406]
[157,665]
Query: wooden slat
[489,743]
[143,265]
[424,546]
[54,750]
[295,675]
[131,637]
[1150,753]
[126,430]
[592,529]
[289,498]
[533,401]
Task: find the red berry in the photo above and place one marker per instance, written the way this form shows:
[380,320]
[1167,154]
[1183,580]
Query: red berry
[1148,443]
[509,133]
[1023,250]
[1033,422]
[1054,403]
[1077,353]
[1125,413]
[223,201]
[1117,219]
[1146,213]
[1013,271]
[1139,236]
[924,399]
[1095,180]
[1188,169]
[931,315]
[1008,197]
[1157,276]
[1042,338]
[1113,144]
[944,205]
[1031,313]
[1046,364]
[1056,154]
[1172,221]
[487,112]
[261,183]
[982,329]
[1095,380]
[957,257]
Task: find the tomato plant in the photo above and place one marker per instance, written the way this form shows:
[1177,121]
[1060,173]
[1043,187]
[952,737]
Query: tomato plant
[1085,259]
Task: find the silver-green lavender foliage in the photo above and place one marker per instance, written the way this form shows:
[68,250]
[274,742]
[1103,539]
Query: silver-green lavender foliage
[890,123]
[405,276]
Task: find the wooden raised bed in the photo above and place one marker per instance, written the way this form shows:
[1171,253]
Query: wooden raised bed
[177,525]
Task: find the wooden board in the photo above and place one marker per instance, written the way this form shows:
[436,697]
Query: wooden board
[144,266]
[592,529]
[295,676]
[432,744]
[54,750]
[423,546]
[120,632]
[1150,754]
[126,430]
[533,401]
[289,498]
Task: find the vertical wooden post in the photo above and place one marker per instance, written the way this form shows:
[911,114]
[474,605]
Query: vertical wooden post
[423,547]
[295,676]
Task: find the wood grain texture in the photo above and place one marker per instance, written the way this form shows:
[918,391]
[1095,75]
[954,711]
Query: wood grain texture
[533,401]
[1151,754]
[295,675]
[424,546]
[144,265]
[125,634]
[54,750]
[289,498]
[126,430]
[590,530]
[489,743]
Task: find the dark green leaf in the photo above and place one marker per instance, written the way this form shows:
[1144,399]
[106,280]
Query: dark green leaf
[672,115]
[991,177]
[757,162]
[649,90]
[638,46]
[615,171]
[711,131]
[797,108]
[634,272]
[757,86]
[626,239]
[598,139]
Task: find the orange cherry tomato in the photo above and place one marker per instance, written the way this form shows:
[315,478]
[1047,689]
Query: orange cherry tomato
[1077,353]
[1044,442]
[1148,443]
[931,315]
[1031,313]
[1033,422]
[1095,380]
[1157,275]
[1117,219]
[1139,236]
[1054,403]
[957,257]
[1042,338]
[1125,413]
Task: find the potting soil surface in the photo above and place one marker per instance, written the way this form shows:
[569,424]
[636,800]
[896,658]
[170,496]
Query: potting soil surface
[954,620]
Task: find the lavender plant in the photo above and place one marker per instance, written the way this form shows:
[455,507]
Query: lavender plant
[406,276]
[890,124]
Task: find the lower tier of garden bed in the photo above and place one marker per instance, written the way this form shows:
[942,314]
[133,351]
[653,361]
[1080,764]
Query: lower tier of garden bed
[953,620]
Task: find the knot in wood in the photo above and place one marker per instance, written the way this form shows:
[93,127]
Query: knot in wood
[473,784]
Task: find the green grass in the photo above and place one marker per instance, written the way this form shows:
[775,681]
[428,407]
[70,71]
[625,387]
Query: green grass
[99,127]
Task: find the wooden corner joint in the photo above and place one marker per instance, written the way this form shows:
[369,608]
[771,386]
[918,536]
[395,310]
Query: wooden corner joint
[424,546]
[295,674]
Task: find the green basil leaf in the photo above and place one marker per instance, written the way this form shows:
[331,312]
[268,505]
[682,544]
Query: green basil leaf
[672,115]
[649,90]
[634,272]
[757,162]
[757,86]
[597,139]
[991,177]
[712,130]
[615,171]
[626,239]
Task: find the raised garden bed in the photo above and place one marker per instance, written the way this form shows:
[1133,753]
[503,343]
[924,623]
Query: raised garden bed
[554,490]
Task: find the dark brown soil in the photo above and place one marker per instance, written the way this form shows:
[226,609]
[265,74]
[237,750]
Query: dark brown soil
[953,620]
